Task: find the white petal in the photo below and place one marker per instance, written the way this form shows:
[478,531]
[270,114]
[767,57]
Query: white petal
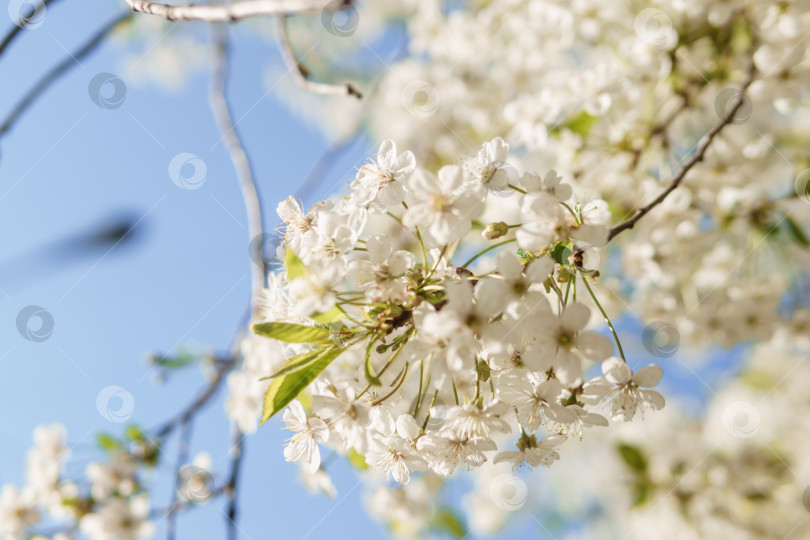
[648,376]
[491,296]
[404,165]
[616,371]
[539,269]
[593,346]
[407,428]
[575,317]
[387,154]
[379,248]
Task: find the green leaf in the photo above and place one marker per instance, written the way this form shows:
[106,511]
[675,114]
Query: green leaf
[285,388]
[295,268]
[633,457]
[296,363]
[357,460]
[333,315]
[795,232]
[446,520]
[483,370]
[581,124]
[560,253]
[642,493]
[291,333]
[134,433]
[107,442]
[370,376]
[174,362]
[525,256]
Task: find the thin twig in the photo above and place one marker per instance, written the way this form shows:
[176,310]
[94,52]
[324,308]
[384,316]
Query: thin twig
[59,70]
[317,174]
[703,145]
[241,163]
[17,27]
[234,11]
[186,414]
[301,74]
[182,504]
[237,453]
[182,457]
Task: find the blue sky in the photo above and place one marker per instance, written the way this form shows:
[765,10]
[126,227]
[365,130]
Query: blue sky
[182,280]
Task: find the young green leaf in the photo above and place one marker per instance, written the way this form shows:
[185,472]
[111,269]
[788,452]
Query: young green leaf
[285,388]
[447,521]
[333,315]
[107,442]
[370,376]
[795,232]
[295,268]
[633,457]
[296,363]
[291,333]
[581,123]
[357,460]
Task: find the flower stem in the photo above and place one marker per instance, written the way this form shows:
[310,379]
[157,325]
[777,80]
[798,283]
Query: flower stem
[576,219]
[607,319]
[485,250]
[394,391]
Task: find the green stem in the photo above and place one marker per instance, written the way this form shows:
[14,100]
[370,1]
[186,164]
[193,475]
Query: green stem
[607,319]
[517,189]
[436,265]
[424,251]
[432,403]
[571,278]
[572,212]
[490,248]
[370,377]
[392,392]
[419,393]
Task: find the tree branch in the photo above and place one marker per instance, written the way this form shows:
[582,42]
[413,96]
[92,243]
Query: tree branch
[188,413]
[224,119]
[182,457]
[59,70]
[703,145]
[16,28]
[300,72]
[234,11]
[237,452]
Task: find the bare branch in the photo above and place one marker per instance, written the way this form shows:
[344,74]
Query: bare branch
[234,11]
[17,27]
[300,72]
[60,69]
[224,119]
[188,413]
[319,171]
[703,145]
[182,457]
[237,452]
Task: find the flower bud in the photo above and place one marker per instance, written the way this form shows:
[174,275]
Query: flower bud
[495,230]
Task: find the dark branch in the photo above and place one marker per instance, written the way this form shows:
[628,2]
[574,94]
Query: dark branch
[60,69]
[237,452]
[17,27]
[699,155]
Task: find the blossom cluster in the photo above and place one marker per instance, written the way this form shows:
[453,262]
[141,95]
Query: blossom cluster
[400,354]
[110,504]
[737,470]
[615,96]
